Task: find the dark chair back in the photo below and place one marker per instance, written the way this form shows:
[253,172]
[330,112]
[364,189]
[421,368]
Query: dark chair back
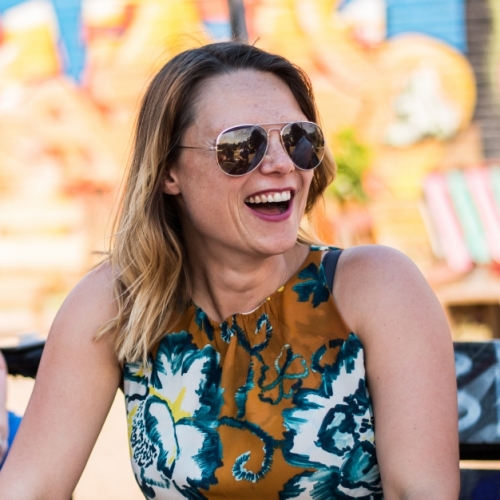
[24,359]
[478,379]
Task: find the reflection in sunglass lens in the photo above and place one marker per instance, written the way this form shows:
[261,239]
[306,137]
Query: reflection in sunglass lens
[241,149]
[304,143]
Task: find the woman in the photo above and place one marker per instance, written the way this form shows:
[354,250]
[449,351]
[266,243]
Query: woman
[241,375]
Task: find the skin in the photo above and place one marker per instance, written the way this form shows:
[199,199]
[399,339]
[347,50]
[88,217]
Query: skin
[237,260]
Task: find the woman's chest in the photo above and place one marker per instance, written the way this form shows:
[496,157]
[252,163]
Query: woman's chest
[270,414]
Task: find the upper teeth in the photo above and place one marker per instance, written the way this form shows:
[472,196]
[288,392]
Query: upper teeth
[270,197]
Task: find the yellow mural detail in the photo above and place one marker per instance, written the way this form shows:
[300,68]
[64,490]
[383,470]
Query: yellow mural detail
[29,48]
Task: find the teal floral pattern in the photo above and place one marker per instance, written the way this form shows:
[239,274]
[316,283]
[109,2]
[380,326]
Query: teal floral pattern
[331,429]
[314,286]
[173,406]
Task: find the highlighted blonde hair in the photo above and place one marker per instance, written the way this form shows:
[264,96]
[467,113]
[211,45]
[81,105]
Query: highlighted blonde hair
[152,283]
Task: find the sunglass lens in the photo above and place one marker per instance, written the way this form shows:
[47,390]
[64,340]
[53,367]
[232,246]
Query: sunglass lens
[241,149]
[304,143]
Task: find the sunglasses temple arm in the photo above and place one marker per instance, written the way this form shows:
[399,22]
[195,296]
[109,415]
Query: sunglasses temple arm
[210,148]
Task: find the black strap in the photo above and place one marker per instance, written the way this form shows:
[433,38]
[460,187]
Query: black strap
[330,261]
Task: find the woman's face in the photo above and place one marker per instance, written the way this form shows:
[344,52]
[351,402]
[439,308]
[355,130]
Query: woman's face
[217,210]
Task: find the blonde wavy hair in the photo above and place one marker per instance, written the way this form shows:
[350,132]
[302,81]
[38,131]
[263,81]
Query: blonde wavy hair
[152,285]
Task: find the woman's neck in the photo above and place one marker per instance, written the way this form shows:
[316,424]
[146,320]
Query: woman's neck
[232,283]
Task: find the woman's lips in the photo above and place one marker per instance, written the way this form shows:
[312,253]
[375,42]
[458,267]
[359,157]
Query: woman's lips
[272,212]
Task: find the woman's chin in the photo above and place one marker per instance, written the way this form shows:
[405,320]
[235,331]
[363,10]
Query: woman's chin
[275,244]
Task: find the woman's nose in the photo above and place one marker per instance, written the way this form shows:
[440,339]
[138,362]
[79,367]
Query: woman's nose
[276,159]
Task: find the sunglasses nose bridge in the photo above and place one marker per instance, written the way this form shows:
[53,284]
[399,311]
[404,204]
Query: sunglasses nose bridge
[279,130]
[278,156]
[269,130]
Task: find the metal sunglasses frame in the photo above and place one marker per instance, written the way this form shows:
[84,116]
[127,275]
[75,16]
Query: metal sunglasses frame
[267,131]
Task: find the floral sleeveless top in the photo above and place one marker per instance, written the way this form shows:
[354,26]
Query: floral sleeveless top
[268,404]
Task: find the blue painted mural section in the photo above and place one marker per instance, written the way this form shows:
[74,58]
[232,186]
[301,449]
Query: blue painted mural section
[442,19]
[71,44]
[7,4]
[70,29]
[219,30]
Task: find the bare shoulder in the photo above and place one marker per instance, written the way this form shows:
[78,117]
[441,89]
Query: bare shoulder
[72,346]
[374,282]
[96,287]
[91,303]
[375,262]
[87,308]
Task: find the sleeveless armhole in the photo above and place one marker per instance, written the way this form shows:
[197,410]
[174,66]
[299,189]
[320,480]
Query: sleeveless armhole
[330,261]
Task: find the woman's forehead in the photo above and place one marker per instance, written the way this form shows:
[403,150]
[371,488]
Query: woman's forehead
[245,96]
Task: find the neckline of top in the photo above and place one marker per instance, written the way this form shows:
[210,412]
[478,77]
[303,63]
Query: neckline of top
[313,249]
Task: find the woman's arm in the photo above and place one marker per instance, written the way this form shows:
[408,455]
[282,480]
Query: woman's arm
[410,369]
[75,386]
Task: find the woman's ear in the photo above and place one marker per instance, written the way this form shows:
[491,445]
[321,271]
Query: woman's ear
[170,183]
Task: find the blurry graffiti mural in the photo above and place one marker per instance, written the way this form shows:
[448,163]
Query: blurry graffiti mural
[395,87]
[71,76]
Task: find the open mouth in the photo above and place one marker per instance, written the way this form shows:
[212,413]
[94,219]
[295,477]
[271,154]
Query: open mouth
[274,203]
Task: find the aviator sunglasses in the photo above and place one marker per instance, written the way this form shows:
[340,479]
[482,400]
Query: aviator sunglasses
[241,149]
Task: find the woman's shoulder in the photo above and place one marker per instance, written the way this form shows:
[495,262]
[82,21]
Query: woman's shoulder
[100,278]
[375,280]
[92,300]
[98,282]
[375,266]
[376,257]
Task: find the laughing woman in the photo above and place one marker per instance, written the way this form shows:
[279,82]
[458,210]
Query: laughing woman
[253,365]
